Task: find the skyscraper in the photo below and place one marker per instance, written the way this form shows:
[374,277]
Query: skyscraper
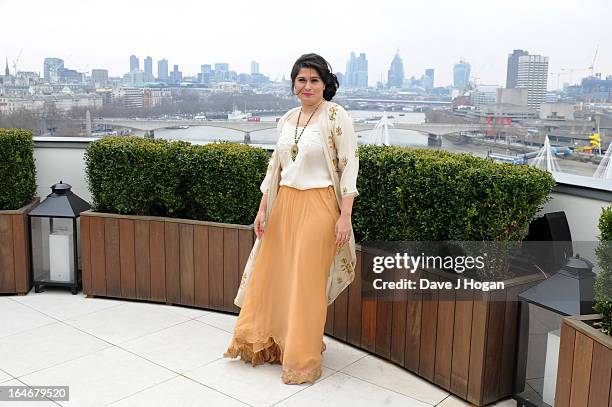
[461,74]
[99,77]
[7,72]
[52,68]
[533,76]
[222,66]
[254,67]
[162,70]
[362,71]
[429,79]
[512,69]
[148,69]
[134,63]
[205,73]
[357,71]
[351,71]
[395,75]
[176,76]
[221,71]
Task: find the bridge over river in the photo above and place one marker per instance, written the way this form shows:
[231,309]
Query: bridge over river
[433,130]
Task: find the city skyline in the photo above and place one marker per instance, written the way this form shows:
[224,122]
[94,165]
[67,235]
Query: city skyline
[436,37]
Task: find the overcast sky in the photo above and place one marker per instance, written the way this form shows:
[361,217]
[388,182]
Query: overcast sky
[428,33]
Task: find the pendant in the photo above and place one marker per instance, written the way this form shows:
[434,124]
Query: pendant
[294,151]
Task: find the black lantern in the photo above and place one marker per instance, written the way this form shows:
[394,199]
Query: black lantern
[541,309]
[54,236]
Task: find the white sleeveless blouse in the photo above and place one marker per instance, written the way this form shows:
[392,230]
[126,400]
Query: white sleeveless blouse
[309,170]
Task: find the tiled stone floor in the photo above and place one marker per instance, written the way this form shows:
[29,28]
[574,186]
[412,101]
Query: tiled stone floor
[124,353]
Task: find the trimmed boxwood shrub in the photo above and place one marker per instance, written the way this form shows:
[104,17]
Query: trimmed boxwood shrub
[216,182]
[17,168]
[422,194]
[136,176]
[222,182]
[603,282]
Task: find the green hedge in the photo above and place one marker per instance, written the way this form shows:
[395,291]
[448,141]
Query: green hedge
[423,194]
[223,182]
[135,176]
[603,282]
[405,194]
[17,168]
[216,182]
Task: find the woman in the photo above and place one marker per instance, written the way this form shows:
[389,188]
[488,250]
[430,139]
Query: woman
[307,256]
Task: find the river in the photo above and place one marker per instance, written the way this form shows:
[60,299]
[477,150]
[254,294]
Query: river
[396,137]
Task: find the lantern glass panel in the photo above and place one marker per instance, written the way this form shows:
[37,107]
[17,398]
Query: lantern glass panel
[53,245]
[540,371]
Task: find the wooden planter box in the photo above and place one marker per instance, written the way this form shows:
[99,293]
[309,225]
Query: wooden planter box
[15,264]
[465,345]
[584,374]
[174,261]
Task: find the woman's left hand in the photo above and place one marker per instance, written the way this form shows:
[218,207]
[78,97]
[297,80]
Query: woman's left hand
[343,230]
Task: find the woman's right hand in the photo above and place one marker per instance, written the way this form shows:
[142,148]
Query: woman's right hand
[260,220]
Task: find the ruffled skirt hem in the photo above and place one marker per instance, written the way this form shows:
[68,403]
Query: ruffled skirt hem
[258,351]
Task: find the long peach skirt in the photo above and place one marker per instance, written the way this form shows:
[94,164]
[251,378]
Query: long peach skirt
[285,304]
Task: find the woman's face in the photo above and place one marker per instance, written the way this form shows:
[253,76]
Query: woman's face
[308,86]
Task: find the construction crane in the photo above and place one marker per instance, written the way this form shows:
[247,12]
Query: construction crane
[558,74]
[15,62]
[571,72]
[592,66]
[566,71]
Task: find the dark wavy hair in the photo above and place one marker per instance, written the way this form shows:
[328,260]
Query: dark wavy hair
[324,69]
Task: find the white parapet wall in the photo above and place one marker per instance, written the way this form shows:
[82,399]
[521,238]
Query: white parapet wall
[61,158]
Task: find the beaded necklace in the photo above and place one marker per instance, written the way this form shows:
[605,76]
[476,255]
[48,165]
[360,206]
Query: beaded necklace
[296,138]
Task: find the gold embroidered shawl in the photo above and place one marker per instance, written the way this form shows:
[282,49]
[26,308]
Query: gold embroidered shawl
[341,152]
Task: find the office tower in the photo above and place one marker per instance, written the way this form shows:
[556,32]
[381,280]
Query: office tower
[206,73]
[232,76]
[356,74]
[512,69]
[395,74]
[148,69]
[134,77]
[70,76]
[134,63]
[595,89]
[222,66]
[176,76]
[254,67]
[533,76]
[99,77]
[52,67]
[350,68]
[362,71]
[221,72]
[429,79]
[162,70]
[461,74]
